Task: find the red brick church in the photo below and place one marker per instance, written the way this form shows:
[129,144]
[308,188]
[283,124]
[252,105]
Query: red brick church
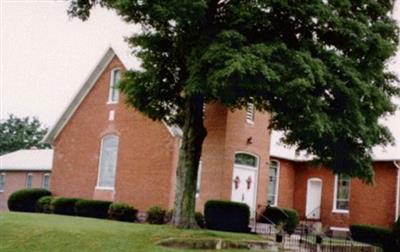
[104,149]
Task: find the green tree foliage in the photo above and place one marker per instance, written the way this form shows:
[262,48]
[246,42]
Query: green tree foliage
[318,66]
[21,133]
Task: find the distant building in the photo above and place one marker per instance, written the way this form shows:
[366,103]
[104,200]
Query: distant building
[24,169]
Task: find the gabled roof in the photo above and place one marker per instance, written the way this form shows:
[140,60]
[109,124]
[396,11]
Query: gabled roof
[83,91]
[27,160]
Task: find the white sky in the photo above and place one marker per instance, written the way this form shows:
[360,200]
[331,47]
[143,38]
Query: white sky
[45,56]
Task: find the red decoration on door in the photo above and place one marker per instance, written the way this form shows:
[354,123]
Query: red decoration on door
[248,181]
[237,182]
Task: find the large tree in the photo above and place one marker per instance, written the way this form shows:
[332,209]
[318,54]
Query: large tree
[318,66]
[21,133]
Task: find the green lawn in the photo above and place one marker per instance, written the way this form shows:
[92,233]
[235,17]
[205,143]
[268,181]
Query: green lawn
[42,232]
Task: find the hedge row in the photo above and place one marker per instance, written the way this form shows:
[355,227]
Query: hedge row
[92,208]
[385,238]
[43,204]
[374,235]
[40,200]
[219,215]
[122,212]
[25,200]
[64,206]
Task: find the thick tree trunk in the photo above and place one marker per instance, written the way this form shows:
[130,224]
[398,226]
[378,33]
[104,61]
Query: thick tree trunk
[194,134]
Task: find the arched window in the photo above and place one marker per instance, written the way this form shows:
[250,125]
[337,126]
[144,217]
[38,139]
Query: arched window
[113,94]
[245,159]
[108,161]
[273,183]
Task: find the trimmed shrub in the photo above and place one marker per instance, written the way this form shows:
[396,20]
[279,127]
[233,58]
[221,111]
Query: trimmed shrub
[92,208]
[289,218]
[200,220]
[156,215]
[122,212]
[25,200]
[43,204]
[396,235]
[64,206]
[373,235]
[227,216]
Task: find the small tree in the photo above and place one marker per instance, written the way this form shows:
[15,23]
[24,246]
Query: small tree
[21,133]
[317,66]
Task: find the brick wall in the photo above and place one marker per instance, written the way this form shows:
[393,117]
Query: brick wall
[286,183]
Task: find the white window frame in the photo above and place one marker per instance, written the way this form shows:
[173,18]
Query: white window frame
[198,182]
[250,113]
[98,187]
[335,188]
[278,167]
[111,87]
[48,180]
[29,175]
[3,176]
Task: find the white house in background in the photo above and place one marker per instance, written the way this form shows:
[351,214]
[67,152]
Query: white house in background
[24,169]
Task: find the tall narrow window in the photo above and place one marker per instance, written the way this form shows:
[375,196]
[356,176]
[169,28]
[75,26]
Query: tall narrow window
[113,93]
[273,183]
[108,161]
[342,193]
[46,181]
[2,181]
[29,178]
[250,113]
[198,183]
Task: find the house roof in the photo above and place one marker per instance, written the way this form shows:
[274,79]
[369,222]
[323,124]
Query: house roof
[27,160]
[84,90]
[279,150]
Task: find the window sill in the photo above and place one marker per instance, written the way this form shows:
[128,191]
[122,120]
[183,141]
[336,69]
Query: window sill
[340,229]
[338,211]
[112,103]
[104,188]
[250,122]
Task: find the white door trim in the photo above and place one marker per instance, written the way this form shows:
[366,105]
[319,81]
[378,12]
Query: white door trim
[252,168]
[307,211]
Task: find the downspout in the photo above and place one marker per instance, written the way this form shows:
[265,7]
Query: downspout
[397,190]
